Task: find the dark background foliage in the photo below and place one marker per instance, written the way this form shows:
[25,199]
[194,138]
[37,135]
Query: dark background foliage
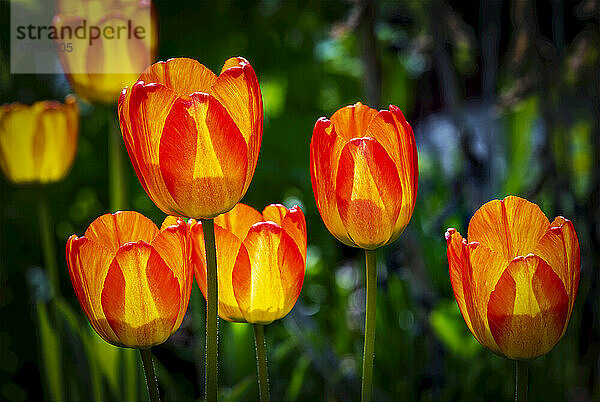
[504,99]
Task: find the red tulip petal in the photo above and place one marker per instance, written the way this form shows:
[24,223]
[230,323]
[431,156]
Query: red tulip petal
[469,291]
[268,288]
[238,91]
[395,135]
[203,157]
[141,297]
[88,264]
[528,309]
[368,193]
[292,221]
[325,149]
[182,75]
[512,227]
[142,115]
[352,121]
[239,220]
[172,246]
[560,249]
[228,255]
[114,230]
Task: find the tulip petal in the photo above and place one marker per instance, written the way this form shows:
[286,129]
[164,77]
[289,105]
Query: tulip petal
[325,149]
[392,131]
[269,286]
[88,264]
[182,75]
[172,246]
[292,221]
[512,227]
[353,121]
[467,269]
[114,230]
[202,157]
[238,91]
[141,297]
[228,255]
[142,114]
[368,193]
[528,308]
[560,249]
[239,220]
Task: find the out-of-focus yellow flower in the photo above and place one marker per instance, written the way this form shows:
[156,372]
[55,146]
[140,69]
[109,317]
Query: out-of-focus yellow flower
[38,142]
[515,280]
[99,70]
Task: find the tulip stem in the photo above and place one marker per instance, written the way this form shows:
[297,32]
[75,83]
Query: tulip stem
[48,245]
[117,180]
[212,304]
[521,379]
[151,381]
[369,348]
[261,362]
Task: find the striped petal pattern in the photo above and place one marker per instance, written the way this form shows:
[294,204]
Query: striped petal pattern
[364,174]
[38,143]
[193,137]
[133,281]
[516,278]
[262,258]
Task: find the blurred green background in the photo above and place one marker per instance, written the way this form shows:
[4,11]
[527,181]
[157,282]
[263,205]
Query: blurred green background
[504,98]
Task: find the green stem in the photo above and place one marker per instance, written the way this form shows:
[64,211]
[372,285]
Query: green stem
[48,245]
[261,362]
[521,379]
[212,305]
[369,348]
[51,356]
[117,179]
[151,381]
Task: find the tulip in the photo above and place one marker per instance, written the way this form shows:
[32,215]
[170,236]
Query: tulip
[100,64]
[192,137]
[364,174]
[516,277]
[262,258]
[38,142]
[132,280]
[261,262]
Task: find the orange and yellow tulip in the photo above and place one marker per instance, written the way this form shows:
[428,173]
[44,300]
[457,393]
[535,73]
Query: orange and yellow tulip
[515,280]
[193,137]
[38,142]
[261,257]
[133,281]
[364,172]
[98,69]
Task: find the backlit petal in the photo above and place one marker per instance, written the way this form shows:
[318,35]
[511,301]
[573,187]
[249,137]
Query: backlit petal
[512,227]
[141,297]
[325,149]
[182,75]
[353,121]
[203,157]
[527,309]
[368,193]
[114,230]
[291,220]
[238,91]
[560,249]
[268,288]
[239,220]
[228,247]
